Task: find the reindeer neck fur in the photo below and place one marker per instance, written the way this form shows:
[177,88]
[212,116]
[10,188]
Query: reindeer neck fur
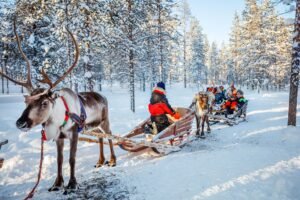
[201,107]
[53,127]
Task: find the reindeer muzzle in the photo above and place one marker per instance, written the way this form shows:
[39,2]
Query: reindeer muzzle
[24,124]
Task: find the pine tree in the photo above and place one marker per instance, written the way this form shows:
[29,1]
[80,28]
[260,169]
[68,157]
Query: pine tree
[295,68]
[235,46]
[198,55]
[213,64]
[185,18]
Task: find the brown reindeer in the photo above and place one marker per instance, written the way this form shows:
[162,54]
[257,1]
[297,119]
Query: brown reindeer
[53,109]
[203,102]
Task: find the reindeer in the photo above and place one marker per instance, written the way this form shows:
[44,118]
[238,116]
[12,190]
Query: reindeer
[52,109]
[203,102]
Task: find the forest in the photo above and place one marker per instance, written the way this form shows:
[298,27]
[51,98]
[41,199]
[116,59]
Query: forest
[135,43]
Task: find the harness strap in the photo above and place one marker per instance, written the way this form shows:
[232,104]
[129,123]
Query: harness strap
[43,133]
[79,120]
[67,116]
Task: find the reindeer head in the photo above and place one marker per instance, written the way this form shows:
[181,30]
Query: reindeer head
[38,109]
[39,104]
[202,99]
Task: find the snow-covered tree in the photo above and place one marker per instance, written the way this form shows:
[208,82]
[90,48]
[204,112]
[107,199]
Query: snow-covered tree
[197,68]
[213,64]
[185,15]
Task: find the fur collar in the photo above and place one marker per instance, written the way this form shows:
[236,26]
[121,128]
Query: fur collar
[159,90]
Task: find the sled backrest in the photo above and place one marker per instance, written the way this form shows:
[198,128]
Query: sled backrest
[183,124]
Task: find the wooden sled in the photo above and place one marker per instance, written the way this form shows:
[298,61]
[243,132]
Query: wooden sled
[219,116]
[164,142]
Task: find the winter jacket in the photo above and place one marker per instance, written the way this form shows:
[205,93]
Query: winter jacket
[241,102]
[159,104]
[231,104]
[158,108]
[219,97]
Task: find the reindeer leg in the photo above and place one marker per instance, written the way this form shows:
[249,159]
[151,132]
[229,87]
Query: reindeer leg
[59,181]
[101,160]
[73,149]
[198,125]
[202,126]
[106,129]
[113,159]
[207,122]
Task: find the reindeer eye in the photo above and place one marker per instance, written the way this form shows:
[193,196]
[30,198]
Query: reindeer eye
[44,104]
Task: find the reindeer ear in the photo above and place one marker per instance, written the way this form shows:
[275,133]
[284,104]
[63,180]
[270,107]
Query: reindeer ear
[26,98]
[54,94]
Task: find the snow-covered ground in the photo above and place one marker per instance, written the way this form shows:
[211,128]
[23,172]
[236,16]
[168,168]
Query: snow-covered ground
[258,159]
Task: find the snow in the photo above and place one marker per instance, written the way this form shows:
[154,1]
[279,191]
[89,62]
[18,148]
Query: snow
[86,59]
[31,40]
[258,159]
[88,74]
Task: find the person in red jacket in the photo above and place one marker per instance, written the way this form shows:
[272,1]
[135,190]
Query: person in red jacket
[231,104]
[159,107]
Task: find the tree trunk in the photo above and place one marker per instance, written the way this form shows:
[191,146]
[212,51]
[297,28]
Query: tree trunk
[6,71]
[144,82]
[2,80]
[294,80]
[7,85]
[161,65]
[184,60]
[100,82]
[68,45]
[131,61]
[76,87]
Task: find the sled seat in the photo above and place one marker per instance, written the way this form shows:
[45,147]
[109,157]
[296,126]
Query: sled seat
[182,112]
[178,131]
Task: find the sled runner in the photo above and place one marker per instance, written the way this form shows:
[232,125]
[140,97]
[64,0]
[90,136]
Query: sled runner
[2,159]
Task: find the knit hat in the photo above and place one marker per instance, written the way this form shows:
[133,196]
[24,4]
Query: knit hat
[240,92]
[161,85]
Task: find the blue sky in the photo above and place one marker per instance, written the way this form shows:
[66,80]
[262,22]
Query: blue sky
[216,16]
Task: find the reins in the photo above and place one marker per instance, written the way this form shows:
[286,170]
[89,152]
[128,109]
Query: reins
[30,195]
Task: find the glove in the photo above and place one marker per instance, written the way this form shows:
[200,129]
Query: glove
[235,108]
[223,106]
[176,115]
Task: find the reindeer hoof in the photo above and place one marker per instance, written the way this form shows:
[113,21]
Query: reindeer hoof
[72,184]
[58,185]
[208,130]
[55,188]
[100,164]
[202,136]
[110,163]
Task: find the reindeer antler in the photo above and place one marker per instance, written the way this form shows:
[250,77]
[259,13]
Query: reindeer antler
[46,78]
[27,84]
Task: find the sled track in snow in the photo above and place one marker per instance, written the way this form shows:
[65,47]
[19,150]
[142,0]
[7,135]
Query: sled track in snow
[102,186]
[210,143]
